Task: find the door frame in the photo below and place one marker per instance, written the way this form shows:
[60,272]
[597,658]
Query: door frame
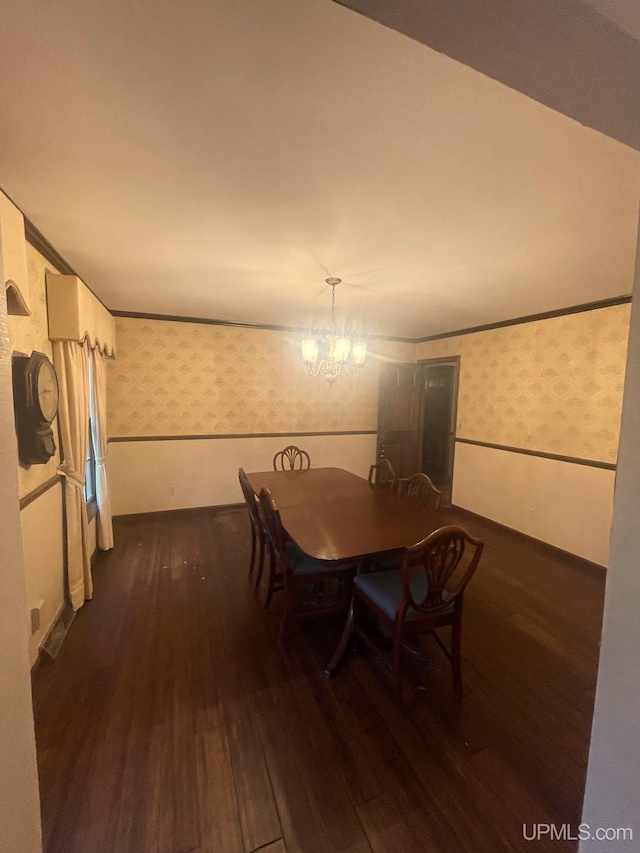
[454,361]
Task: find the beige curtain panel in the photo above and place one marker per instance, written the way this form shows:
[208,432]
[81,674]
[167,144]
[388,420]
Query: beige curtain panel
[98,386]
[71,362]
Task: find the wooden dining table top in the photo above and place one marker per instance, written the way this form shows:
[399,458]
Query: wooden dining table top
[334,515]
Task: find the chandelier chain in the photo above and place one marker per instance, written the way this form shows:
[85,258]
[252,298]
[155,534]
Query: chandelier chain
[333,308]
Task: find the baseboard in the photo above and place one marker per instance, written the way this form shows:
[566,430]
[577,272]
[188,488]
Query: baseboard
[54,638]
[193,510]
[552,550]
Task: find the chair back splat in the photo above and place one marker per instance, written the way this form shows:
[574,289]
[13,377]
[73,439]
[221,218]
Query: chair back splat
[291,458]
[382,474]
[438,556]
[420,488]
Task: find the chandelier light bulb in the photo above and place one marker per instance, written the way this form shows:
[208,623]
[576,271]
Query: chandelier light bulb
[359,352]
[309,351]
[341,350]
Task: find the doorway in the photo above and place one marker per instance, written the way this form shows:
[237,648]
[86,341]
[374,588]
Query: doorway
[437,429]
[417,405]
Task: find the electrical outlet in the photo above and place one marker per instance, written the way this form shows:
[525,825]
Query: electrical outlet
[172,490]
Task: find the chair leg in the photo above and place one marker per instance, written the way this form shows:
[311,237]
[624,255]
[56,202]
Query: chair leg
[287,614]
[272,579]
[456,636]
[342,643]
[260,559]
[397,667]
[253,550]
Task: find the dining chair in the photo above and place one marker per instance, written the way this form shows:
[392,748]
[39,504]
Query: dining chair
[299,572]
[420,488]
[420,597]
[382,474]
[257,527]
[291,458]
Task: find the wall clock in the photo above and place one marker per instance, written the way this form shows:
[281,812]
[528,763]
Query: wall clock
[35,396]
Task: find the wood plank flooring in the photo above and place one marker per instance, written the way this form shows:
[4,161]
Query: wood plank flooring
[171,723]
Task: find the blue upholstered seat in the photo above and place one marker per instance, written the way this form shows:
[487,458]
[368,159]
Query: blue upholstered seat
[302,564]
[385,590]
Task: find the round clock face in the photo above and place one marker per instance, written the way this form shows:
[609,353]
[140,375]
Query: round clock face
[47,390]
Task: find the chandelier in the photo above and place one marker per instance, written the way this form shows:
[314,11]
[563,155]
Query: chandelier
[344,356]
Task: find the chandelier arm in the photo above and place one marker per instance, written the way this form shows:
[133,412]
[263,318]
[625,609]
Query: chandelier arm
[352,370]
[313,369]
[317,369]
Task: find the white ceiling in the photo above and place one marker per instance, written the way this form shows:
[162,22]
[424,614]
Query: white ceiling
[220,159]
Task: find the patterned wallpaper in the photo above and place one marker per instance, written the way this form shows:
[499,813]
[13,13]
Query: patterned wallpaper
[550,385]
[32,333]
[174,378]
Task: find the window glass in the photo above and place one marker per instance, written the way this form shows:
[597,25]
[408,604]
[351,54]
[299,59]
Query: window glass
[90,471]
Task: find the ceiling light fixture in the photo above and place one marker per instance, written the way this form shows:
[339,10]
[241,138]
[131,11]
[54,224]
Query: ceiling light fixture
[345,356]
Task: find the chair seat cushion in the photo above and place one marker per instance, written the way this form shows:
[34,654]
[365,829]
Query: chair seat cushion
[302,564]
[385,590]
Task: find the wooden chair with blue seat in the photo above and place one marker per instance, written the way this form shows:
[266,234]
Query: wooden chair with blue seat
[300,573]
[291,459]
[382,474]
[425,594]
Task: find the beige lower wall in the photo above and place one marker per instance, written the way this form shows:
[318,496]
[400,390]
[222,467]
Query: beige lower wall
[43,548]
[564,504]
[204,472]
[42,545]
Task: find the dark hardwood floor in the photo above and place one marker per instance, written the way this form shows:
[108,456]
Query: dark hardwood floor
[171,723]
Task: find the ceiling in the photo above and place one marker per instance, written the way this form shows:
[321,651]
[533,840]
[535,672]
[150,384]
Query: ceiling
[623,13]
[220,160]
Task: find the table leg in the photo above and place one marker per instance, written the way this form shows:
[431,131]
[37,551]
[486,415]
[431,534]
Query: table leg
[342,644]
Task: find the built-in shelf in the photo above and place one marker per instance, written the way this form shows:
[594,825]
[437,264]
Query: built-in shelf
[16,303]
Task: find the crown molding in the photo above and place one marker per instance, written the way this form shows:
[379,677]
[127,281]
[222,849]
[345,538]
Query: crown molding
[516,321]
[530,318]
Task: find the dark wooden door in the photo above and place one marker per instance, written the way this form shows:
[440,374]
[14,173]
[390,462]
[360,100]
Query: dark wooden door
[399,417]
[437,421]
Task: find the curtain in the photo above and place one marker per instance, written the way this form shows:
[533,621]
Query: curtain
[98,392]
[71,362]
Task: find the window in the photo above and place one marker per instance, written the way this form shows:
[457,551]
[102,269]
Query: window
[90,468]
[90,472]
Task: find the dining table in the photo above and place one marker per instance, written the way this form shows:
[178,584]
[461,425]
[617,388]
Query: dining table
[336,516]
